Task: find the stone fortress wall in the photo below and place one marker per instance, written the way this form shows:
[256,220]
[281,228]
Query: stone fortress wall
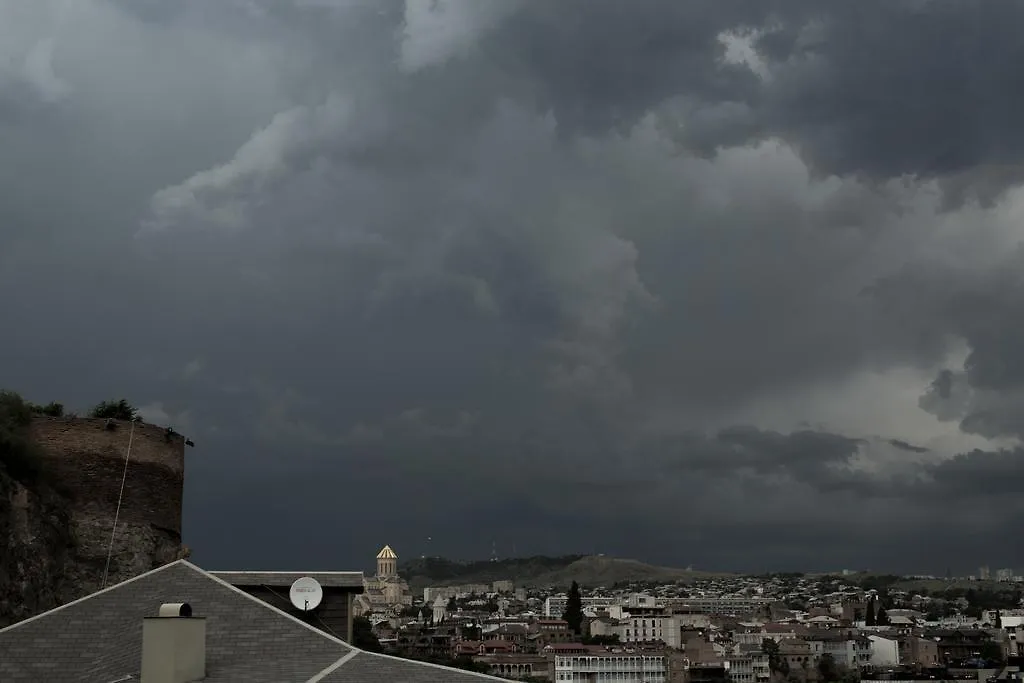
[87,457]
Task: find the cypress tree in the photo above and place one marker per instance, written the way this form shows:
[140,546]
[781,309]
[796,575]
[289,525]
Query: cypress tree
[574,609]
[869,620]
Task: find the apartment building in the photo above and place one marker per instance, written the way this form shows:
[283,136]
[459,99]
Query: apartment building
[554,606]
[852,651]
[885,651]
[719,606]
[748,665]
[516,666]
[574,662]
[916,650]
[665,628]
[431,593]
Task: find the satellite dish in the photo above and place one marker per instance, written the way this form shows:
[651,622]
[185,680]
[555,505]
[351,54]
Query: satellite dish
[306,593]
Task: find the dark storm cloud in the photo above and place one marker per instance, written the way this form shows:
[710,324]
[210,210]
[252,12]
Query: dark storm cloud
[882,88]
[906,87]
[606,64]
[804,454]
[903,445]
[984,308]
[455,259]
[980,474]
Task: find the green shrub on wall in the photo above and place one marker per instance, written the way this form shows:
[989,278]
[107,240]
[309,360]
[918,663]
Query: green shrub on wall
[18,456]
[117,410]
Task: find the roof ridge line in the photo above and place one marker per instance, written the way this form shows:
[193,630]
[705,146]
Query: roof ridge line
[344,659]
[161,568]
[477,674]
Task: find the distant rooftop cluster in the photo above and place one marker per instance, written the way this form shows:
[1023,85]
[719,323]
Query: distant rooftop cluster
[787,627]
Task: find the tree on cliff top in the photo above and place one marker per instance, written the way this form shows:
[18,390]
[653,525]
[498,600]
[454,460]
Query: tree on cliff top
[117,410]
[17,454]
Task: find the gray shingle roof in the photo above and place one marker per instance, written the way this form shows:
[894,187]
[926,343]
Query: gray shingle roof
[327,579]
[99,639]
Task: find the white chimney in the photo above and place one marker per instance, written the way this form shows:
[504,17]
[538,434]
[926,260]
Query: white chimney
[173,646]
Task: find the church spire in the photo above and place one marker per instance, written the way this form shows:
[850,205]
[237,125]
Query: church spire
[387,562]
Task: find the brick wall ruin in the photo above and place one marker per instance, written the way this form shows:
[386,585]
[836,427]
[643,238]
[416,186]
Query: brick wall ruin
[87,458]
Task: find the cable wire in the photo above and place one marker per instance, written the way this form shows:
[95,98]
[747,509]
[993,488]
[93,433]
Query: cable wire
[117,511]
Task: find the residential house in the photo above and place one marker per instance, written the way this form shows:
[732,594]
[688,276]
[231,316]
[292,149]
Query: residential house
[885,650]
[957,645]
[846,648]
[664,628]
[708,672]
[575,662]
[748,664]
[699,649]
[798,656]
[920,651]
[517,666]
[333,614]
[545,632]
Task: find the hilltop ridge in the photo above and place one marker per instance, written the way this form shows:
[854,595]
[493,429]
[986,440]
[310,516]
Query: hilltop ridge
[542,570]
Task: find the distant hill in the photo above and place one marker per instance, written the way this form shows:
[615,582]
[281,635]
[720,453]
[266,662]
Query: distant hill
[589,570]
[599,570]
[439,571]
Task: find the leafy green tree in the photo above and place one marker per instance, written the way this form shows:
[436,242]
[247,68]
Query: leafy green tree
[14,410]
[992,651]
[52,409]
[467,663]
[574,609]
[828,669]
[363,636]
[775,662]
[18,456]
[883,618]
[116,410]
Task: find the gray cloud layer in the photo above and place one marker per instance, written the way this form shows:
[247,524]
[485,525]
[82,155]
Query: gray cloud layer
[653,278]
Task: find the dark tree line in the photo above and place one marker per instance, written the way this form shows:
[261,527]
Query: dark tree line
[876,616]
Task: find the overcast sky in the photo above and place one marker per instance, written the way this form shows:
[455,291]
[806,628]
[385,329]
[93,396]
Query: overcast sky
[724,283]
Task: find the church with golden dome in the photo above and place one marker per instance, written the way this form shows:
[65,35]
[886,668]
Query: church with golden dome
[386,590]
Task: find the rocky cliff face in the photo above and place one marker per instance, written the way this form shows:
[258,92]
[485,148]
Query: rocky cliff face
[55,529]
[36,547]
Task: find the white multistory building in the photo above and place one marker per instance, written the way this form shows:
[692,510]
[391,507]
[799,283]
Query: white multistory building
[611,666]
[554,607]
[884,651]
